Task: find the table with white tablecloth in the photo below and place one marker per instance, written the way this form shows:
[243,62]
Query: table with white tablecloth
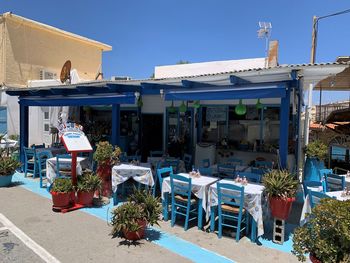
[65,164]
[252,203]
[200,187]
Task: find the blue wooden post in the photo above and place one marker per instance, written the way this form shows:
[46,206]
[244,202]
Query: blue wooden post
[115,124]
[284,129]
[23,130]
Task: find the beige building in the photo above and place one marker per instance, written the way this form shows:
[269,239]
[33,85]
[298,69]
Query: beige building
[30,50]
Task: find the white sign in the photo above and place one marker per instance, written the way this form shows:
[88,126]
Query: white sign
[76,142]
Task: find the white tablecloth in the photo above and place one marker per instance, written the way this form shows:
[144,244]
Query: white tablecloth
[7,143]
[252,201]
[200,187]
[65,163]
[307,206]
[141,174]
[347,179]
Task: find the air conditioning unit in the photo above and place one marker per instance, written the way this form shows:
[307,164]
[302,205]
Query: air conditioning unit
[46,74]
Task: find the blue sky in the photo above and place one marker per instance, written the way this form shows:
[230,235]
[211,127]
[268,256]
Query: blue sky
[145,34]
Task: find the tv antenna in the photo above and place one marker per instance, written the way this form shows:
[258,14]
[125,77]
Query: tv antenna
[264,31]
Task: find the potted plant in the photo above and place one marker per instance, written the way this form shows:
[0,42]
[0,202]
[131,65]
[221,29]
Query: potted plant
[316,152]
[8,166]
[131,218]
[87,184]
[326,235]
[106,156]
[61,191]
[281,188]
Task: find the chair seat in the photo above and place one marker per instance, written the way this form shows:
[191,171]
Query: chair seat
[184,199]
[31,161]
[231,209]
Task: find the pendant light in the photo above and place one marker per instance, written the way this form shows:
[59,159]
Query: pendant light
[240,109]
[258,105]
[182,107]
[196,104]
[172,109]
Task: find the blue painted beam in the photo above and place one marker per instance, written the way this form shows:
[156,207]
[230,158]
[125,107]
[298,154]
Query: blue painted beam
[115,124]
[284,129]
[196,84]
[154,88]
[23,130]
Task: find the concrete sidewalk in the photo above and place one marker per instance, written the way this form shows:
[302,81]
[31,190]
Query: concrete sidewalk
[79,237]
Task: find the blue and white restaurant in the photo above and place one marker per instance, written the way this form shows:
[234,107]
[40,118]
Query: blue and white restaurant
[217,126]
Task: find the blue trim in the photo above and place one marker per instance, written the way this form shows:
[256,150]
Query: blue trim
[228,93]
[23,130]
[195,84]
[284,129]
[115,124]
[238,81]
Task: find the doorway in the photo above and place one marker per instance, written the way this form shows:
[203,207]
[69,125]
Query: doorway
[152,134]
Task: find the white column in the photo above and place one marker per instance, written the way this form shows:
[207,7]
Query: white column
[307,114]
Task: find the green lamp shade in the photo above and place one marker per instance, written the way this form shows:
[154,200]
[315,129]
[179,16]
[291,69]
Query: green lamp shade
[172,109]
[258,105]
[240,109]
[139,102]
[182,107]
[196,104]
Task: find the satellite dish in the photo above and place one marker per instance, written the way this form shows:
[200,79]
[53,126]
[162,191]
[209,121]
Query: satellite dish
[65,71]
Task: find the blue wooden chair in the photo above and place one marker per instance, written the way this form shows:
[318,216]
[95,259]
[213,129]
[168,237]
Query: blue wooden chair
[334,182]
[230,208]
[206,163]
[156,153]
[226,171]
[234,161]
[259,170]
[181,201]
[311,184]
[188,161]
[171,162]
[315,197]
[205,171]
[30,164]
[42,157]
[160,175]
[264,164]
[66,169]
[251,177]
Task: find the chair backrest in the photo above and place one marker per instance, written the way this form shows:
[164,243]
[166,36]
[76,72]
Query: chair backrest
[174,163]
[188,161]
[42,157]
[234,161]
[156,153]
[231,194]
[335,182]
[315,197]
[205,171]
[324,172]
[38,146]
[251,177]
[58,157]
[163,173]
[225,170]
[206,163]
[264,164]
[311,184]
[131,158]
[259,170]
[29,153]
[180,185]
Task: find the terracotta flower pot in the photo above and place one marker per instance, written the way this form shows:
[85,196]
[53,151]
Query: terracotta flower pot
[281,207]
[104,171]
[85,198]
[314,259]
[136,235]
[61,199]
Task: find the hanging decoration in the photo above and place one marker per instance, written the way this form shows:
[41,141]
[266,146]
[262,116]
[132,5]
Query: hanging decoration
[196,104]
[240,109]
[172,109]
[258,105]
[139,102]
[182,107]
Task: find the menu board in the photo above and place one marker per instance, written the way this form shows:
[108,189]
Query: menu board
[76,142]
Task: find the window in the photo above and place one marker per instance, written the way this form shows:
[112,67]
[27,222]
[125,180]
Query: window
[3,120]
[46,127]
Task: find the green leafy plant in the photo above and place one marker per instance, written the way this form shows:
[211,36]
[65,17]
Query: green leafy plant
[106,153]
[89,182]
[327,233]
[8,165]
[141,205]
[62,185]
[316,149]
[280,183]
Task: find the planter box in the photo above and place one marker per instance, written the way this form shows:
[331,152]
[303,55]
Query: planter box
[5,180]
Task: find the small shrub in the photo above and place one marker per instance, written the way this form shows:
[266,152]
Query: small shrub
[280,183]
[316,149]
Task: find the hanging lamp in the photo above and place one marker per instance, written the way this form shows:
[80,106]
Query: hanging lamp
[139,102]
[196,104]
[240,109]
[182,107]
[172,109]
[258,105]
